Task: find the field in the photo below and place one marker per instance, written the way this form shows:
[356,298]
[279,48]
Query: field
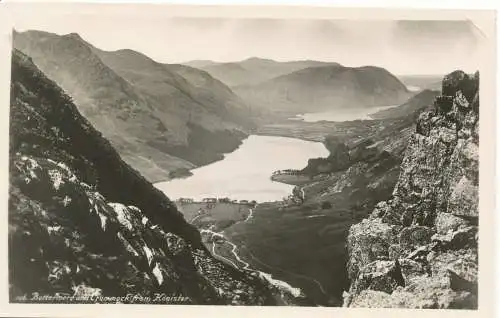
[220,215]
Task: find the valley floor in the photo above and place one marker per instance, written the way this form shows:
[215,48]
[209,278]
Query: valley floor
[303,244]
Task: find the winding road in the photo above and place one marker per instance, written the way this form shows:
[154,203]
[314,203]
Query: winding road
[246,266]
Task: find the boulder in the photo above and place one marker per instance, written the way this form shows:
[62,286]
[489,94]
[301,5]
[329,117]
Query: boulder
[372,299]
[464,199]
[411,269]
[366,242]
[465,237]
[396,251]
[379,275]
[447,222]
[431,293]
[415,236]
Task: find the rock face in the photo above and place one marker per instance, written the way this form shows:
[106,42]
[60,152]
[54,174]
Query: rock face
[419,249]
[83,223]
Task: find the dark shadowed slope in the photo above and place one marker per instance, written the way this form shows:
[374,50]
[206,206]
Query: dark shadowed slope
[124,92]
[253,70]
[83,223]
[326,88]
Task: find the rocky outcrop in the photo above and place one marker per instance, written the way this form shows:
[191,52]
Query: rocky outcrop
[419,249]
[85,227]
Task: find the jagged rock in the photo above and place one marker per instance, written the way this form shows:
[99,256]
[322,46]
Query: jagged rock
[461,238]
[380,209]
[423,124]
[461,262]
[447,222]
[362,239]
[371,299]
[411,269]
[379,275]
[464,199]
[424,293]
[396,251]
[459,283]
[415,236]
[429,293]
[433,211]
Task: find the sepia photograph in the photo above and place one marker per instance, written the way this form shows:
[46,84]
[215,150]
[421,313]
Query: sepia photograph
[173,159]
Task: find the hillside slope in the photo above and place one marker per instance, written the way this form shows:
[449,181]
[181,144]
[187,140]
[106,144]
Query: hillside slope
[326,88]
[412,107]
[419,248]
[124,91]
[83,223]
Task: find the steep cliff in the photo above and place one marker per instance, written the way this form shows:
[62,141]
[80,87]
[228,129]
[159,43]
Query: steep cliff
[84,224]
[420,248]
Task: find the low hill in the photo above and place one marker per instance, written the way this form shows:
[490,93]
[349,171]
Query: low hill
[324,88]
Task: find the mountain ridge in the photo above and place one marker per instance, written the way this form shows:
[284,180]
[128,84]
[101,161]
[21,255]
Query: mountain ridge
[322,88]
[116,93]
[253,70]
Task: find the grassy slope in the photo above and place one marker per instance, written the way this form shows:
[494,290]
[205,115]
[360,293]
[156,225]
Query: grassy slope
[124,92]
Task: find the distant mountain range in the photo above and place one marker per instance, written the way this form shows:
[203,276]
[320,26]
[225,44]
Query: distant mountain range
[253,70]
[329,87]
[163,119]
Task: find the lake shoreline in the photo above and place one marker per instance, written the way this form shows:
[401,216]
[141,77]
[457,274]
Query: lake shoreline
[245,174]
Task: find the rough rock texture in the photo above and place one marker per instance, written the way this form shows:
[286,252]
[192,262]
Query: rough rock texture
[421,245]
[84,223]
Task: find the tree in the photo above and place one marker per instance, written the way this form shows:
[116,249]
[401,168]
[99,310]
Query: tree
[326,205]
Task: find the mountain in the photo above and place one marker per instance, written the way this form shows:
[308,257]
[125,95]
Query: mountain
[191,118]
[412,107]
[419,249]
[326,88]
[253,70]
[84,225]
[199,63]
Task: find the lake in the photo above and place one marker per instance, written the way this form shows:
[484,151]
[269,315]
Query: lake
[339,115]
[245,173]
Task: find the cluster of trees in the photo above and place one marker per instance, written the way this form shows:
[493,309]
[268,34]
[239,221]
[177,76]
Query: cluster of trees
[293,172]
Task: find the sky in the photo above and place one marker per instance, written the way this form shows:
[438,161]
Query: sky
[402,47]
